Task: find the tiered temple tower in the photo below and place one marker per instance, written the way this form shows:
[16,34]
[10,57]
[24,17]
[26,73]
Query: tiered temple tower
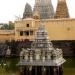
[42,58]
[27,12]
[62,10]
[45,9]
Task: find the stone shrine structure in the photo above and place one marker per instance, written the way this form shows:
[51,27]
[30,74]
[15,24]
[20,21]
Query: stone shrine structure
[42,58]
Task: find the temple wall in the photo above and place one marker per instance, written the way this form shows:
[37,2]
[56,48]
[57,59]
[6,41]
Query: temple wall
[58,29]
[7,35]
[22,26]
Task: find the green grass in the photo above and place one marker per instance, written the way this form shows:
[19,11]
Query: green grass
[4,72]
[68,67]
[10,68]
[70,63]
[69,71]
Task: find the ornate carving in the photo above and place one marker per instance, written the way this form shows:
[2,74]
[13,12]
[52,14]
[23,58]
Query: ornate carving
[62,10]
[27,12]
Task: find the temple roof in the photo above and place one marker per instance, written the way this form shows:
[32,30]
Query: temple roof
[27,12]
[62,10]
[45,9]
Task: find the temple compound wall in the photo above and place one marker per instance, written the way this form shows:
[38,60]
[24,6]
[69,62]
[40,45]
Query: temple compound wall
[6,35]
[58,29]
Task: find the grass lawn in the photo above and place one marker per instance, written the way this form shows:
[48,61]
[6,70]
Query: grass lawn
[4,72]
[69,71]
[68,67]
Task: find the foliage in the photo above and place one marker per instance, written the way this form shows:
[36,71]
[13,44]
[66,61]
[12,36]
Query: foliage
[9,26]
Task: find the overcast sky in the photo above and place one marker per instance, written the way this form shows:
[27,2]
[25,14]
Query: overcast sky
[9,9]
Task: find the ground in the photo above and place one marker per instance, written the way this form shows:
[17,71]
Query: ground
[68,67]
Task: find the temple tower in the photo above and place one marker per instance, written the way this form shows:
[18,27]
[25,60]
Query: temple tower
[27,12]
[45,9]
[62,10]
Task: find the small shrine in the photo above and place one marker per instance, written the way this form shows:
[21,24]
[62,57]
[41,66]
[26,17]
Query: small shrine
[42,58]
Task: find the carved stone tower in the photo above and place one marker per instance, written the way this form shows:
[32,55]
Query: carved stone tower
[27,12]
[42,58]
[62,10]
[45,9]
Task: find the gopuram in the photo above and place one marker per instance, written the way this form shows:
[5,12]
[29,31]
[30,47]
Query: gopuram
[42,58]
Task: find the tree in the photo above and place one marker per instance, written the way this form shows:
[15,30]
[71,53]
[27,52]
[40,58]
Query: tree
[9,26]
[5,26]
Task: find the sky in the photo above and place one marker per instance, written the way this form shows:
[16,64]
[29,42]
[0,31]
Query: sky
[11,9]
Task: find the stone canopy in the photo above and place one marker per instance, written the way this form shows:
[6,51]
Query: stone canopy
[42,51]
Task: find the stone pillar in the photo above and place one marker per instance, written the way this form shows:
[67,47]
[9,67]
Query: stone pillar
[43,56]
[31,56]
[37,55]
[21,70]
[26,58]
[39,71]
[30,70]
[33,70]
[60,70]
[43,70]
[36,70]
[26,70]
[51,70]
[48,72]
[55,70]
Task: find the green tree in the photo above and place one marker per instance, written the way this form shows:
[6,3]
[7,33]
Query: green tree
[5,26]
[9,26]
